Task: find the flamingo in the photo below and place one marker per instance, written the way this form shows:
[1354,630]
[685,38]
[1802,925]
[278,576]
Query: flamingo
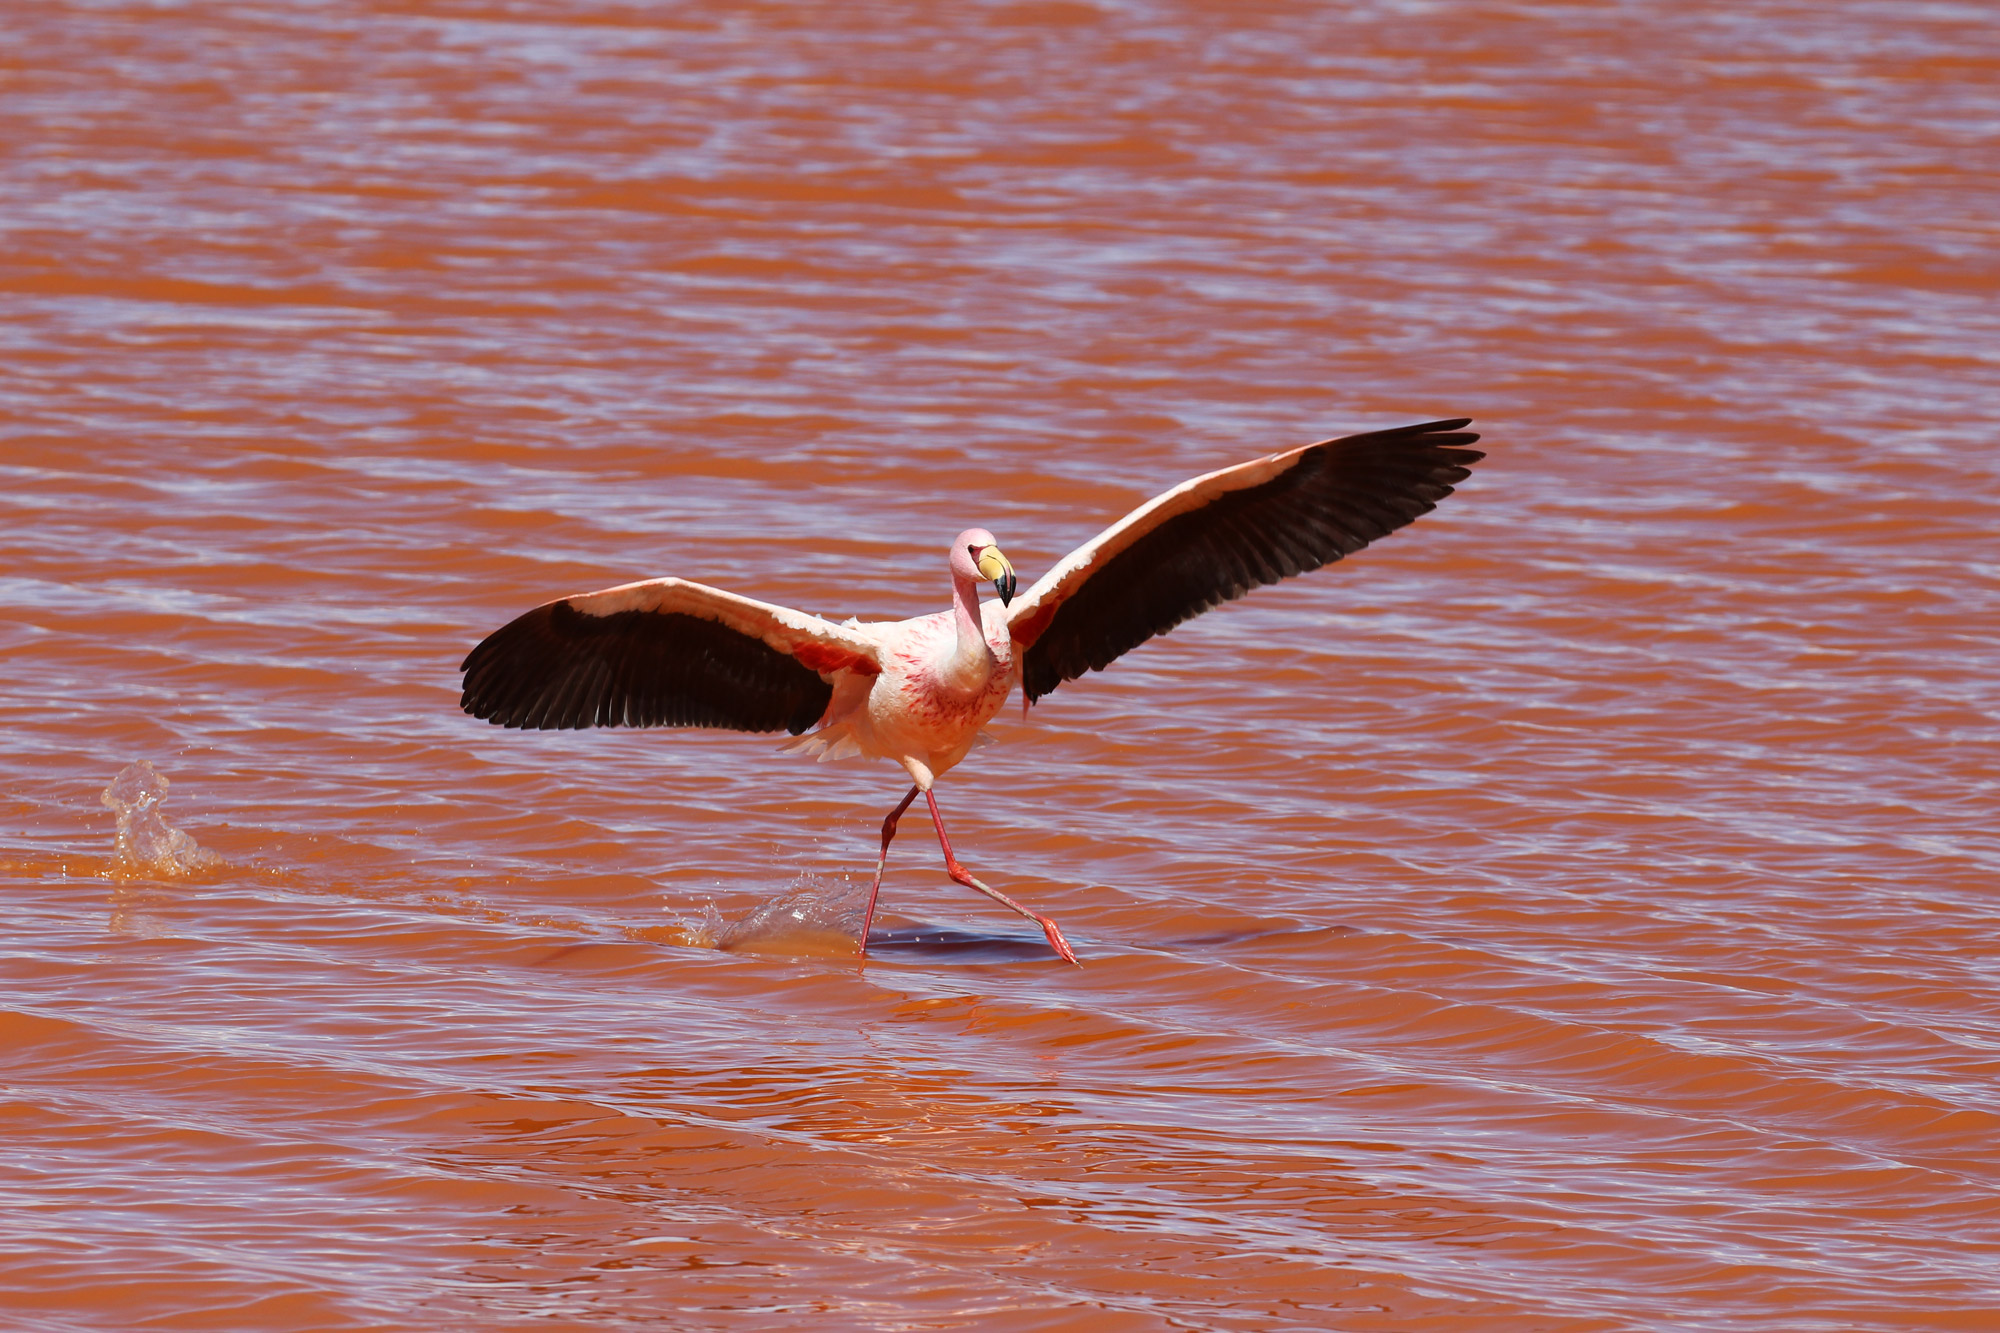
[667,652]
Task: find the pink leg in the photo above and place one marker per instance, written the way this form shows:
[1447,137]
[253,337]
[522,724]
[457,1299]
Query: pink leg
[963,876]
[888,832]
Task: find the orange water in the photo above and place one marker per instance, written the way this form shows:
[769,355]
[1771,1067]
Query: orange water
[1577,913]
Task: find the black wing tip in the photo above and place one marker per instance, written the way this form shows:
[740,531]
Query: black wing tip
[514,717]
[1441,442]
[1449,433]
[1415,428]
[1430,427]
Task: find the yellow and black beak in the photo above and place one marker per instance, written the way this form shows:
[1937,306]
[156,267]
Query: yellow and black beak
[995,566]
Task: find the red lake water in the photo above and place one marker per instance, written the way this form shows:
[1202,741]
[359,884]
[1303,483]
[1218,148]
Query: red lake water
[1575,912]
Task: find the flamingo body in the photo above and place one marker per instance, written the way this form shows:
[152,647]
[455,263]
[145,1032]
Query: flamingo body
[668,652]
[910,712]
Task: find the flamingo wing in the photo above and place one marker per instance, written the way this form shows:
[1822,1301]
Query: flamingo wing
[662,653]
[1214,538]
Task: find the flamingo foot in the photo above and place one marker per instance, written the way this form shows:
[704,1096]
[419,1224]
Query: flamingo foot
[1057,942]
[960,875]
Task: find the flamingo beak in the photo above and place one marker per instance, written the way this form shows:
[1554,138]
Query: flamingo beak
[995,566]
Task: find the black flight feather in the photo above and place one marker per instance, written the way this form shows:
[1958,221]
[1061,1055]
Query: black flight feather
[559,668]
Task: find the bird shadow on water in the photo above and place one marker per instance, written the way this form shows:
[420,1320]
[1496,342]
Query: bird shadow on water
[822,919]
[957,945]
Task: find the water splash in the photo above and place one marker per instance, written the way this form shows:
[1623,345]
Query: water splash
[817,917]
[147,845]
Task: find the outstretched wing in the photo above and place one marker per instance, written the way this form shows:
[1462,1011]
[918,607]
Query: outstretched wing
[662,653]
[1214,538]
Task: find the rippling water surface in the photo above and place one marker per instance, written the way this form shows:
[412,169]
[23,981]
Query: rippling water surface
[1576,913]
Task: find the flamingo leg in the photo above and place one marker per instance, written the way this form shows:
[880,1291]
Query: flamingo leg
[888,832]
[960,875]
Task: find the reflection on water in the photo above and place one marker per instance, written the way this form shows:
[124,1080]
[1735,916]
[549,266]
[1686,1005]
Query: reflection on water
[139,910]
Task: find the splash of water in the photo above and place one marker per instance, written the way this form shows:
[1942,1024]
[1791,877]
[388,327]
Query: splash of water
[817,917]
[147,845]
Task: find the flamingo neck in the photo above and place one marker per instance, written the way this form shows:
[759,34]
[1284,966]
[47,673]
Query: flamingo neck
[970,665]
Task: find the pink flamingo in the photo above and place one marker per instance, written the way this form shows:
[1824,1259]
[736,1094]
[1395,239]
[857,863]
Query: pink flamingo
[670,653]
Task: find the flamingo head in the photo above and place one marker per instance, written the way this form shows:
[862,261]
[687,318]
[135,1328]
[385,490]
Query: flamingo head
[976,556]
